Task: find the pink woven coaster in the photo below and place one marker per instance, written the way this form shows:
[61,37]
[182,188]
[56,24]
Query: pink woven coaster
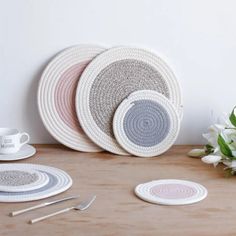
[171,192]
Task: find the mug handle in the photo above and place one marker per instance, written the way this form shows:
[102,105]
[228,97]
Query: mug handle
[27,138]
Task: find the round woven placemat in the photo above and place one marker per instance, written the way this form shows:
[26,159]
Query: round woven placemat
[146,123]
[56,96]
[14,179]
[171,192]
[59,181]
[109,79]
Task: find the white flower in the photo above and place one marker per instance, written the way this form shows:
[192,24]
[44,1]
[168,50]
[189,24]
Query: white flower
[224,119]
[230,164]
[211,159]
[213,133]
[196,152]
[229,135]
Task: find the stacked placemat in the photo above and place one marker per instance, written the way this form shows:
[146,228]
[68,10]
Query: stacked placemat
[28,182]
[124,100]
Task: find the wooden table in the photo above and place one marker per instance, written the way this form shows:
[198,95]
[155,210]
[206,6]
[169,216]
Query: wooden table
[117,211]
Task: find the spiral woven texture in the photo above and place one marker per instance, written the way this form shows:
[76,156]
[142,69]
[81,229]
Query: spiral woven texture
[56,96]
[14,179]
[109,79]
[59,181]
[17,178]
[146,124]
[171,192]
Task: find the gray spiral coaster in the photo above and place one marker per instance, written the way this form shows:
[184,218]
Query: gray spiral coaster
[109,79]
[146,124]
[13,179]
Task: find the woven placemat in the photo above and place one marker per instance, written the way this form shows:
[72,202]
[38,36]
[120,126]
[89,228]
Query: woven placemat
[56,96]
[59,181]
[146,123]
[14,179]
[109,79]
[171,192]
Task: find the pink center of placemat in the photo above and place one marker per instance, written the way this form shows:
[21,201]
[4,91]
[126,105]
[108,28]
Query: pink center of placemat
[65,92]
[172,191]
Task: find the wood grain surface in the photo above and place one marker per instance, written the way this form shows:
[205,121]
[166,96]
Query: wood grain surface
[117,211]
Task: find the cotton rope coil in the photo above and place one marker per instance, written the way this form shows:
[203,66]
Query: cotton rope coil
[146,123]
[56,96]
[109,79]
[14,179]
[171,192]
[59,181]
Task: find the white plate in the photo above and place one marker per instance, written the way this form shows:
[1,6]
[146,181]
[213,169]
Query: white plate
[59,181]
[171,192]
[15,179]
[25,152]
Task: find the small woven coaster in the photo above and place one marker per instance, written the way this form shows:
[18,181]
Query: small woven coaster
[109,79]
[56,96]
[146,124]
[171,192]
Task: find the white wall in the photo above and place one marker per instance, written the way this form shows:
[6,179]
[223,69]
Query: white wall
[196,37]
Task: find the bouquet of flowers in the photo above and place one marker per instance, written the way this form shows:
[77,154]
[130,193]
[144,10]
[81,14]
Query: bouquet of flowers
[221,144]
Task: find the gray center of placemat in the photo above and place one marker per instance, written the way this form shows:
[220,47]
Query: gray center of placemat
[53,181]
[115,82]
[146,123]
[17,178]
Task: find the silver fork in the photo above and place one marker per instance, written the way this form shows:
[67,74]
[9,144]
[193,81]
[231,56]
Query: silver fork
[81,207]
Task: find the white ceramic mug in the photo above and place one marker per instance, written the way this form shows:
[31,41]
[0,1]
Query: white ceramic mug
[11,140]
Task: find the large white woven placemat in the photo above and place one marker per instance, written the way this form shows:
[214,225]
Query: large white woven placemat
[59,181]
[146,123]
[56,96]
[109,79]
[15,179]
[171,192]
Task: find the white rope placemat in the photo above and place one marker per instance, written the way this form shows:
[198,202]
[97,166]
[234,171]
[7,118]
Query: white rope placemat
[59,181]
[171,192]
[13,179]
[109,79]
[56,96]
[146,124]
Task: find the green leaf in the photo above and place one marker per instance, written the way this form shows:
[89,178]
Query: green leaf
[232,118]
[208,149]
[224,148]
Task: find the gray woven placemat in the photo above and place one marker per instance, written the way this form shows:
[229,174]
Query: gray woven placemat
[109,79]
